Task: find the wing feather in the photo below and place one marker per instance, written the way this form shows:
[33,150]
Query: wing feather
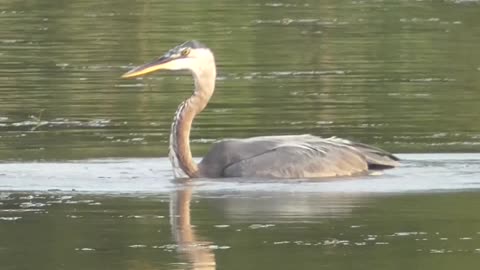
[300,156]
[299,161]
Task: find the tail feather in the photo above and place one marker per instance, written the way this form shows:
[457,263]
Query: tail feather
[377,158]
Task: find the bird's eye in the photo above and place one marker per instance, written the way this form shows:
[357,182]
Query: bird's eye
[185,52]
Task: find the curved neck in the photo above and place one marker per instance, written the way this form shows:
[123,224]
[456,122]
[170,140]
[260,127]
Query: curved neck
[180,153]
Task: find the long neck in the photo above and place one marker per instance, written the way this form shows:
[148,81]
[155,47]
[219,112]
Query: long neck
[180,153]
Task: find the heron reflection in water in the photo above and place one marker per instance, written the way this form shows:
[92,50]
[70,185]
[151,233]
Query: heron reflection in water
[197,252]
[288,156]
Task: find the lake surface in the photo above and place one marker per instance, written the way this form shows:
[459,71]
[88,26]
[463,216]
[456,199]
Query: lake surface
[130,214]
[84,182]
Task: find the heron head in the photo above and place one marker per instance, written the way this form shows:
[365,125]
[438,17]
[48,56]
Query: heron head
[191,55]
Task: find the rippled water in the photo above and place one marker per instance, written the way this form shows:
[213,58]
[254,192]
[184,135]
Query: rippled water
[238,230]
[84,180]
[402,75]
[418,173]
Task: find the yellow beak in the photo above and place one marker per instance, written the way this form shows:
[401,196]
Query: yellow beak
[161,63]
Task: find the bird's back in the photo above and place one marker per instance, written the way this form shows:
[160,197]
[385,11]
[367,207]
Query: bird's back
[297,156]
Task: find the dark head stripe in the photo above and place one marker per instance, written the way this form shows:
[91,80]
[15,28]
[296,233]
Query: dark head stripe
[193,44]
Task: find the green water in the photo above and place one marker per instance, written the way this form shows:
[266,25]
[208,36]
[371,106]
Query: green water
[402,75]
[247,231]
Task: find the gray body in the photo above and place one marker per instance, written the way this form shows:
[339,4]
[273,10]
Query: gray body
[296,156]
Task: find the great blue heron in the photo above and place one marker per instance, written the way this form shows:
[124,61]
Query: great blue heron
[289,156]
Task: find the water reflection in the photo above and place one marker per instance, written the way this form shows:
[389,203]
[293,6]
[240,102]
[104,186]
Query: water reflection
[279,207]
[261,212]
[196,251]
[246,230]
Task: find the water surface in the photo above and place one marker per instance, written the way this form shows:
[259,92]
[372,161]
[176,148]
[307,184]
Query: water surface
[403,75]
[84,182]
[194,228]
[418,173]
[131,214]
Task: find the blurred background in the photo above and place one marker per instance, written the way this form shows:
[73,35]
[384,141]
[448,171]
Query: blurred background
[403,75]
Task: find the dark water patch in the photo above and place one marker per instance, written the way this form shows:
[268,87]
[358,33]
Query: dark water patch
[178,229]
